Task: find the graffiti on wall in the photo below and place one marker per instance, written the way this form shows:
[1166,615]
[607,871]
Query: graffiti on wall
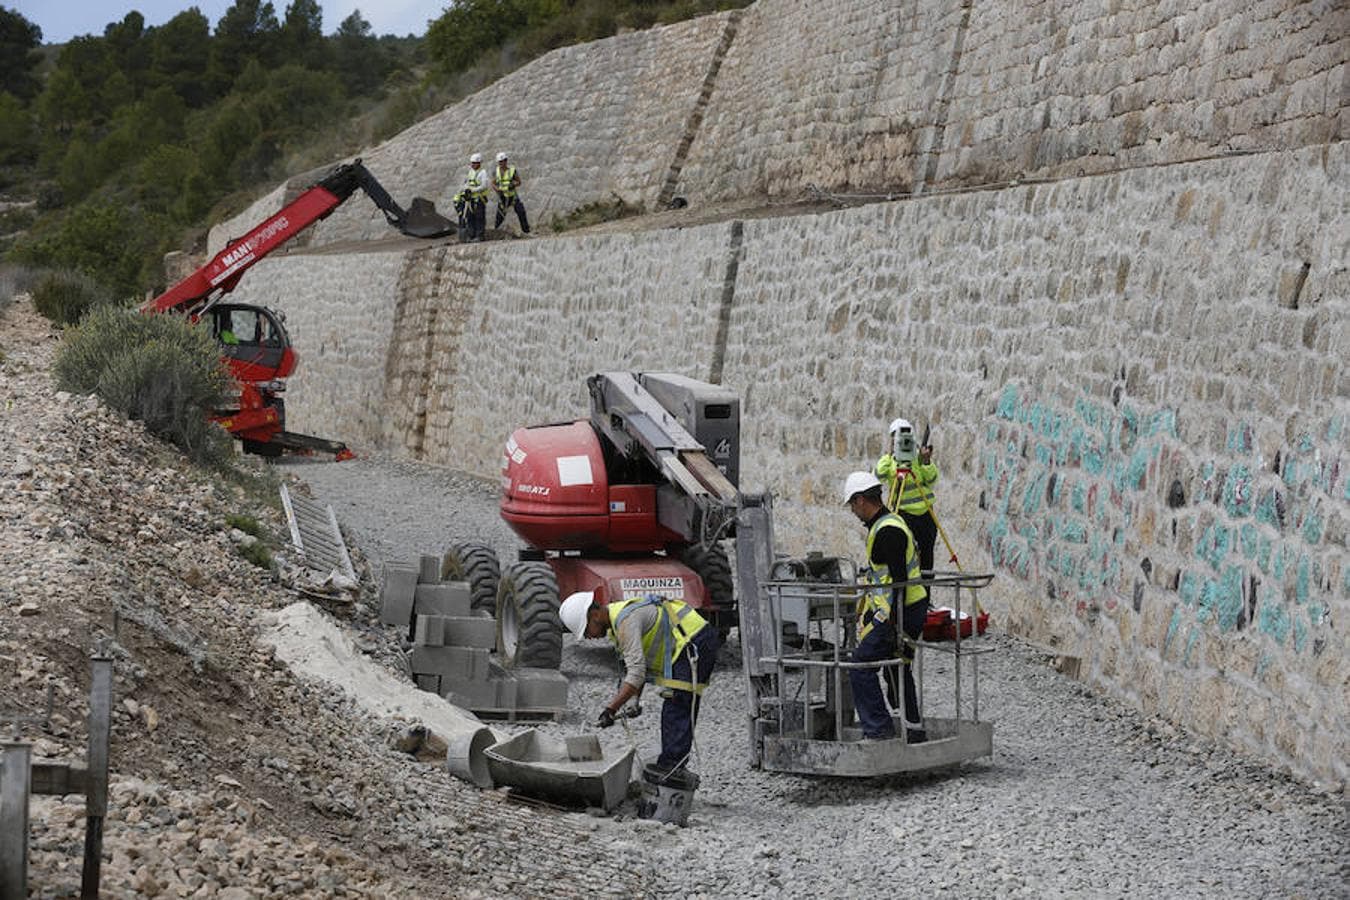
[1105,505]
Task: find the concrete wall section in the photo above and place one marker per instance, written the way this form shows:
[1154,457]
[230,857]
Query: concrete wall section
[340,313]
[1062,86]
[581,124]
[842,94]
[1140,404]
[548,314]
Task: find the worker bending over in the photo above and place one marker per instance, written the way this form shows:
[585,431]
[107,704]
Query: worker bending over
[914,480]
[474,197]
[892,560]
[506,182]
[663,641]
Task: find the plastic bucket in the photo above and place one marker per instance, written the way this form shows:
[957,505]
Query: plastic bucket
[667,797]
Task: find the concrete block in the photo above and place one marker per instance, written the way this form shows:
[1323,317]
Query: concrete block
[469,631]
[455,631]
[398,582]
[429,570]
[462,663]
[506,692]
[540,689]
[470,694]
[449,599]
[429,683]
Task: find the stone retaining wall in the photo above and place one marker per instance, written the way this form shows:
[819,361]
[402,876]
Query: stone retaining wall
[1136,384]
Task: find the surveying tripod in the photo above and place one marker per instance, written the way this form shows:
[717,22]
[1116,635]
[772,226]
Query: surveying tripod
[902,475]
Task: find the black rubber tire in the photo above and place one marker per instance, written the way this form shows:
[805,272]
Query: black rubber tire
[529,630]
[477,564]
[713,566]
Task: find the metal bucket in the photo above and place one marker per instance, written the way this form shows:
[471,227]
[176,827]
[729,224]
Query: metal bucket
[667,797]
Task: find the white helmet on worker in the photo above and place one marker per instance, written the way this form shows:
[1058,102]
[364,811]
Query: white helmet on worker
[501,157]
[476,158]
[900,425]
[859,482]
[573,612]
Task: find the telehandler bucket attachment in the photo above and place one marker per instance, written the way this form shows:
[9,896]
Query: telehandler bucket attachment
[423,221]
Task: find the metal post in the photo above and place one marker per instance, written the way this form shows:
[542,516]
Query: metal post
[956,655]
[15,772]
[838,673]
[96,801]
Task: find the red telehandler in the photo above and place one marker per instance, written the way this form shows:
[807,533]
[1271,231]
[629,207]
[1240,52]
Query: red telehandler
[253,340]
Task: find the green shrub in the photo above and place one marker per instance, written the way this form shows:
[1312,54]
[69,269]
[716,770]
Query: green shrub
[257,553]
[595,213]
[65,297]
[160,370]
[15,280]
[246,524]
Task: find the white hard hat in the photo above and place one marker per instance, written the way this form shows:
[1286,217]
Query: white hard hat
[857,482]
[501,157]
[476,158]
[901,425]
[573,612]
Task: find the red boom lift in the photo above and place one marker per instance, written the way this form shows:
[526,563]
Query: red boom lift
[634,501]
[253,340]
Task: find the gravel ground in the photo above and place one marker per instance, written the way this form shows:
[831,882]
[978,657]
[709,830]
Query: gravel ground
[1083,797]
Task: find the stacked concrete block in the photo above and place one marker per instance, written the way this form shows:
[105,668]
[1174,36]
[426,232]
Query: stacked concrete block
[398,585]
[452,646]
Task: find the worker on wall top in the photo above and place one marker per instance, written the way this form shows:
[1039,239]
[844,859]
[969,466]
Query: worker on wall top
[506,182]
[474,197]
[663,641]
[897,590]
[908,476]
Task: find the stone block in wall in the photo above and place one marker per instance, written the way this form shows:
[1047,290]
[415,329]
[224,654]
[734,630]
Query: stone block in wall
[398,582]
[459,663]
[450,598]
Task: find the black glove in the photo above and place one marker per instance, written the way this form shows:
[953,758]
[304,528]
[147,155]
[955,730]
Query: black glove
[606,718]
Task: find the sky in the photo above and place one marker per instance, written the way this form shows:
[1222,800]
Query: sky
[61,20]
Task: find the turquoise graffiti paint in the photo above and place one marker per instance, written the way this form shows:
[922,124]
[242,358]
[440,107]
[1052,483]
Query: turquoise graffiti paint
[1209,600]
[1274,620]
[1263,555]
[1079,498]
[1189,588]
[1303,580]
[1214,544]
[1266,511]
[1312,527]
[1300,635]
[1315,613]
[1172,628]
[1230,599]
[1237,492]
[1034,493]
[1248,539]
[1007,403]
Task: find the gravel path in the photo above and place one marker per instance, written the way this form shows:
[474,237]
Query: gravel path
[1084,797]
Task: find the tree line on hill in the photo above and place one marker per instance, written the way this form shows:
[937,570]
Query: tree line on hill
[133,140]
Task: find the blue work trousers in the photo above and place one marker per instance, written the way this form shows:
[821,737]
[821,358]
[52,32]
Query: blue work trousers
[868,699]
[680,711]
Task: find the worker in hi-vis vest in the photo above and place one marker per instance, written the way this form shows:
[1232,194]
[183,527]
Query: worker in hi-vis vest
[912,472]
[474,194]
[662,641]
[506,182]
[891,560]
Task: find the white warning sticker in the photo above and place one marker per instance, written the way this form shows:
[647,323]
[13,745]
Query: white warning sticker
[574,470]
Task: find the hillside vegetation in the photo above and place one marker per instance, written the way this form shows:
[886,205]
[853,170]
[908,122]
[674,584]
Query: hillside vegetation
[117,148]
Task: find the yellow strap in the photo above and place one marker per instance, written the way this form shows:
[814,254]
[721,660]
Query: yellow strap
[686,686]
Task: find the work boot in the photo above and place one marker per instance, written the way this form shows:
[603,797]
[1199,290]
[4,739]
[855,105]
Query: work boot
[915,736]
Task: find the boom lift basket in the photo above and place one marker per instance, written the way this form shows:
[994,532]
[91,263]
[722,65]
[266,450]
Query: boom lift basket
[802,719]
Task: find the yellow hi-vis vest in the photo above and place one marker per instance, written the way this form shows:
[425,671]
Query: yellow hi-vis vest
[505,180]
[878,602]
[663,643]
[476,184]
[916,494]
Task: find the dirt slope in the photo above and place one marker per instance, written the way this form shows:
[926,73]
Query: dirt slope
[230,778]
